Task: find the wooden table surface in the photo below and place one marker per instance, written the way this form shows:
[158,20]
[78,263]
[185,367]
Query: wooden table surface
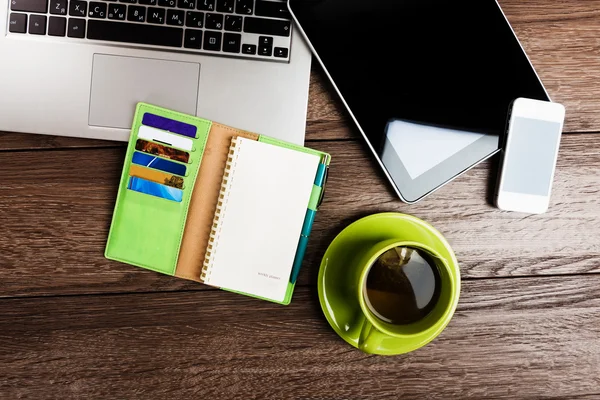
[75,325]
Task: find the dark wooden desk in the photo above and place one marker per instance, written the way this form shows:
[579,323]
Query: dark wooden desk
[75,325]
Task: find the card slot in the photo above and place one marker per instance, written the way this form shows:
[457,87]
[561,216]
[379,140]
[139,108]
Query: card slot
[147,232]
[160,150]
[155,162]
[157,176]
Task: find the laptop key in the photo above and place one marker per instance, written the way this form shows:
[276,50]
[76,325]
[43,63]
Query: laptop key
[264,26]
[36,6]
[37,24]
[128,1]
[206,5]
[97,10]
[233,23]
[272,9]
[135,33]
[193,39]
[175,17]
[156,15]
[78,8]
[187,4]
[245,7]
[136,14]
[57,26]
[265,46]
[148,2]
[167,3]
[117,11]
[281,52]
[214,21]
[194,19]
[76,28]
[232,42]
[212,40]
[17,23]
[249,49]
[225,6]
[58,7]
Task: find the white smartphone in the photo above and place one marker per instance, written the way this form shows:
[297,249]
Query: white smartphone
[529,156]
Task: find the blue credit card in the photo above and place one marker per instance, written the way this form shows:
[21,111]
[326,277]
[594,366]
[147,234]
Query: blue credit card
[148,160]
[166,124]
[155,189]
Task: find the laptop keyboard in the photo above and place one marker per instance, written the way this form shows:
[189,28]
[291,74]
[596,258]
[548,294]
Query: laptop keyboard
[256,29]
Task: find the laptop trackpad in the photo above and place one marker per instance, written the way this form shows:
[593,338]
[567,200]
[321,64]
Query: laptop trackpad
[119,83]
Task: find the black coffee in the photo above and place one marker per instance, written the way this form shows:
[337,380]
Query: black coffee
[403,285]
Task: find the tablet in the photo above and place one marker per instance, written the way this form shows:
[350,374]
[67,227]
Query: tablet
[428,82]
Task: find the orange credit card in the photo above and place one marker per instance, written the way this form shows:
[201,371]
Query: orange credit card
[156,176]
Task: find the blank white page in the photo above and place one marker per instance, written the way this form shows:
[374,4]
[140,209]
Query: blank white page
[259,227]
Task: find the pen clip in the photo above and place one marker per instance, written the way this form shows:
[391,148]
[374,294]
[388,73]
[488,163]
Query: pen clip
[322,195]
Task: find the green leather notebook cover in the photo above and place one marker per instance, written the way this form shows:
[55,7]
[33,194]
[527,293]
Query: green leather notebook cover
[148,231]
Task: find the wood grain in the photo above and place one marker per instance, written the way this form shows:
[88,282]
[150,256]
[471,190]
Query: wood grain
[56,208]
[511,338]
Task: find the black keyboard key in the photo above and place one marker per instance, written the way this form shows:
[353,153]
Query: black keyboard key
[136,14]
[249,49]
[167,3]
[265,46]
[194,19]
[193,39]
[206,5]
[58,7]
[128,1]
[148,2]
[36,6]
[233,23]
[156,15]
[214,21]
[225,6]
[212,40]
[281,52]
[17,23]
[135,33]
[263,26]
[187,4]
[245,7]
[232,42]
[76,28]
[175,17]
[272,9]
[37,24]
[117,11]
[78,8]
[265,41]
[57,26]
[97,10]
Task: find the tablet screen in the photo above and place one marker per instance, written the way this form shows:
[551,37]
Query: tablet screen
[429,82]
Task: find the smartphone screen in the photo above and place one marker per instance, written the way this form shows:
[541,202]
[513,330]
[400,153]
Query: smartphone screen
[530,156]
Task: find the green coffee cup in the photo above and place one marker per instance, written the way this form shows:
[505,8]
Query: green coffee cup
[375,330]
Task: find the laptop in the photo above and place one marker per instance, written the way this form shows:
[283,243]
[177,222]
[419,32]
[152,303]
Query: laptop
[78,68]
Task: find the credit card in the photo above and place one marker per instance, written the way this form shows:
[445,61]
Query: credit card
[147,133]
[156,176]
[155,189]
[163,151]
[166,124]
[147,160]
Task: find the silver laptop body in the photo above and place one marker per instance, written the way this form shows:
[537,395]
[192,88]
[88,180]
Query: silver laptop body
[77,68]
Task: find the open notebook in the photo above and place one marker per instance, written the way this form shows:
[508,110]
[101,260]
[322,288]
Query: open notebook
[210,203]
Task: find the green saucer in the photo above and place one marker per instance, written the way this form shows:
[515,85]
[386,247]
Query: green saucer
[337,291]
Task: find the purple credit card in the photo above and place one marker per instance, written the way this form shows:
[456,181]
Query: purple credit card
[170,125]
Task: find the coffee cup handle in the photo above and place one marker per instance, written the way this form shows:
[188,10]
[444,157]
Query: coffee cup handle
[370,337]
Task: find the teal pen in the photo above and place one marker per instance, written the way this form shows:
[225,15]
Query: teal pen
[309,218]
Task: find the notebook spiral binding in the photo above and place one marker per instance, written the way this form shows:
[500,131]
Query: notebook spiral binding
[208,259]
